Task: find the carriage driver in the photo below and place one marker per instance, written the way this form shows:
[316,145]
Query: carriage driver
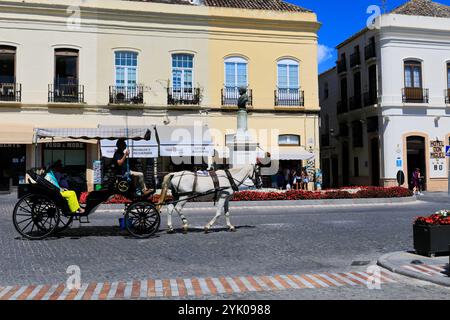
[120,158]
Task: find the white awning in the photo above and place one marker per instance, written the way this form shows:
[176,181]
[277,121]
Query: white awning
[138,148]
[16,133]
[289,153]
[184,141]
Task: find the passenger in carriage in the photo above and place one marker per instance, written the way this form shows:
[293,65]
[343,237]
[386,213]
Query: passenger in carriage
[69,195]
[120,158]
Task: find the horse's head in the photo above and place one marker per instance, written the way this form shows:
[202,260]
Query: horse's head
[256,176]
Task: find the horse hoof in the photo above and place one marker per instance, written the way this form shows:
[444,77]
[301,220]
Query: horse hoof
[232,229]
[185,229]
[170,231]
[207,230]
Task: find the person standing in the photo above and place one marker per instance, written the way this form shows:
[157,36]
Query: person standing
[416,180]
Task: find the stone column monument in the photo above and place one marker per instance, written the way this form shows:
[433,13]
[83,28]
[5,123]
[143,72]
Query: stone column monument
[243,149]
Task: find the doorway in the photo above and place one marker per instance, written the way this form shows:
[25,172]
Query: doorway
[334,172]
[416,157]
[375,161]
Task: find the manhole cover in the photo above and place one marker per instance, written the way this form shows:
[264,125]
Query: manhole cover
[360,263]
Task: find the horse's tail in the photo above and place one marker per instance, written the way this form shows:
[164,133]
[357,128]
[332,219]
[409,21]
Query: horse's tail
[165,186]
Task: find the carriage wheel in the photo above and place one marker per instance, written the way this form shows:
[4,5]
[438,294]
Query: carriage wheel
[65,221]
[142,219]
[36,217]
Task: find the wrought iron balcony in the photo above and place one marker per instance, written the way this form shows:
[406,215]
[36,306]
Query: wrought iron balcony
[354,103]
[66,93]
[342,106]
[290,97]
[415,95]
[355,59]
[184,96]
[126,95]
[230,96]
[11,92]
[447,96]
[370,98]
[342,66]
[370,51]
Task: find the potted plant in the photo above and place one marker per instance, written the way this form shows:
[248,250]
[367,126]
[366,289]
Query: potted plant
[432,234]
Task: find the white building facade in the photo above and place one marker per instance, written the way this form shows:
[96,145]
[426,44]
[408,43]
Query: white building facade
[390,92]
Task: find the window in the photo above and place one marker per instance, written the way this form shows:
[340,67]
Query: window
[182,72]
[413,74]
[326,90]
[289,140]
[357,134]
[66,66]
[236,69]
[448,75]
[356,166]
[288,74]
[126,68]
[7,64]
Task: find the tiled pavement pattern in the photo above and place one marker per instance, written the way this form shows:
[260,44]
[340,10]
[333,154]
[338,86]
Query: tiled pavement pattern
[428,270]
[194,287]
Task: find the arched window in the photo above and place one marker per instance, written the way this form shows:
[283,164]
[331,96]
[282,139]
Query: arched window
[182,72]
[413,74]
[236,72]
[289,140]
[126,68]
[288,74]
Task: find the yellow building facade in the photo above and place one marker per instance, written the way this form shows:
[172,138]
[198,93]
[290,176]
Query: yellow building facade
[112,63]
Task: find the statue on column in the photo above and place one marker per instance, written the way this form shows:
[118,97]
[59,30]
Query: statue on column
[243,98]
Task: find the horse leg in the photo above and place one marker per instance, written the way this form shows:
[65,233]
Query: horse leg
[178,208]
[231,228]
[219,211]
[170,209]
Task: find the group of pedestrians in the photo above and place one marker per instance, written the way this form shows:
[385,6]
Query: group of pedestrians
[291,179]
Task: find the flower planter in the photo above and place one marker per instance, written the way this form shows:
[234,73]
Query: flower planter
[431,239]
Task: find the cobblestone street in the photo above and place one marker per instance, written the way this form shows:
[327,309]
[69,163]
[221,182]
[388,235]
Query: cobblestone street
[269,242]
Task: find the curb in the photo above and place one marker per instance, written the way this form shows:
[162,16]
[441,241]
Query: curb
[383,261]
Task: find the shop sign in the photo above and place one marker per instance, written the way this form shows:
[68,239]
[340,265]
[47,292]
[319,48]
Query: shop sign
[65,145]
[6,145]
[97,169]
[437,151]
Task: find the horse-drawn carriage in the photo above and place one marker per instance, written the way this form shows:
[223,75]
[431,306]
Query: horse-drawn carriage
[42,211]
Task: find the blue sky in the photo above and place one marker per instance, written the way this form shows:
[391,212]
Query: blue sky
[341,19]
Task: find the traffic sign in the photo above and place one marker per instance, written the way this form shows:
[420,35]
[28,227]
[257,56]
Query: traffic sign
[447,151]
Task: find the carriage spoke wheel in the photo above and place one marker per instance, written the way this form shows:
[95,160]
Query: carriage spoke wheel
[65,221]
[142,219]
[36,217]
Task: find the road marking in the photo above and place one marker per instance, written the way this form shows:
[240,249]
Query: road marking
[198,287]
[428,270]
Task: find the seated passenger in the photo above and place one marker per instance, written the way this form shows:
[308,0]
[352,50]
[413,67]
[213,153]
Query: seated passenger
[69,195]
[120,158]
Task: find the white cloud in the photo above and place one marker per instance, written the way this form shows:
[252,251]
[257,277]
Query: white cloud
[324,53]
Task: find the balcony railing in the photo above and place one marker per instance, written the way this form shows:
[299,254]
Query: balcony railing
[342,106]
[370,98]
[66,93]
[342,66]
[447,96]
[186,96]
[11,92]
[370,52]
[290,97]
[415,95]
[355,59]
[126,95]
[230,96]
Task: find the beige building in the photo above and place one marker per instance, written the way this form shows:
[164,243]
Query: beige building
[166,63]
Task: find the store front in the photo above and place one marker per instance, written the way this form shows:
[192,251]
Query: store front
[12,165]
[183,148]
[73,159]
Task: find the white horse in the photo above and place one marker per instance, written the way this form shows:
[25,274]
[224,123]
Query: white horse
[185,185]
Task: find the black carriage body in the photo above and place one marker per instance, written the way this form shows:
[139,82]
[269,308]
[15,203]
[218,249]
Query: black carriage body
[40,190]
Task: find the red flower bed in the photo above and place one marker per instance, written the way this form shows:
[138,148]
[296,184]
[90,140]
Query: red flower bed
[366,192]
